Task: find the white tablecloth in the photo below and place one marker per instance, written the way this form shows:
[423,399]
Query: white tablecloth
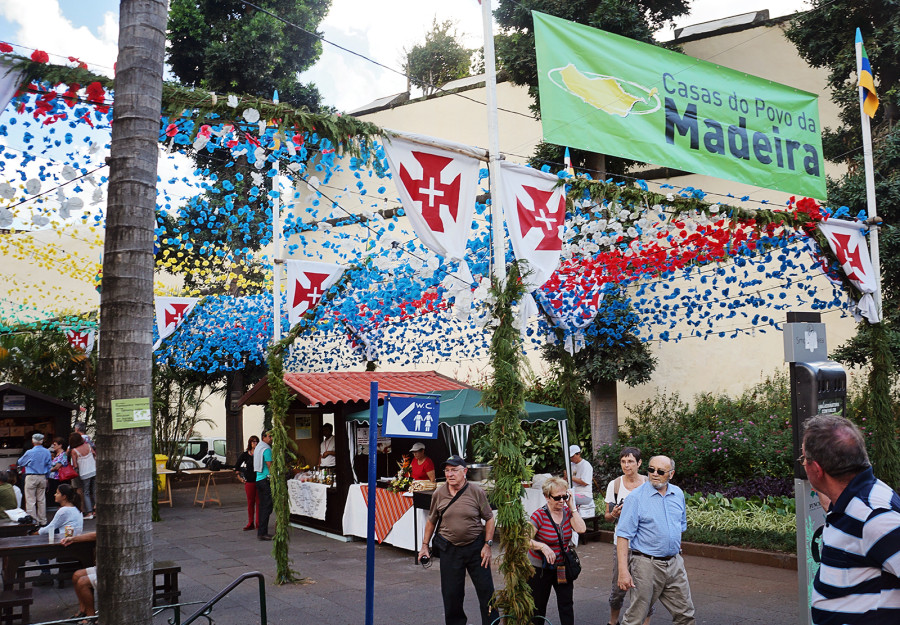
[356,518]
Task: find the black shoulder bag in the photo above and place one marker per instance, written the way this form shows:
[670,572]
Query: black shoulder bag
[573,563]
[437,541]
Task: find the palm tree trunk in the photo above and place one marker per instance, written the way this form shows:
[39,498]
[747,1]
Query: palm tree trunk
[124,487]
[604,413]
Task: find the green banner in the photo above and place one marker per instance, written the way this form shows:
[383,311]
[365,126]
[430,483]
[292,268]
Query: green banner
[613,95]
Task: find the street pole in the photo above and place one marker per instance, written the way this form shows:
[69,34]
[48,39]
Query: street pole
[490,83]
[276,259]
[871,209]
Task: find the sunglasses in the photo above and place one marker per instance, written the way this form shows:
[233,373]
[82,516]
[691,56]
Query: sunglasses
[560,497]
[651,471]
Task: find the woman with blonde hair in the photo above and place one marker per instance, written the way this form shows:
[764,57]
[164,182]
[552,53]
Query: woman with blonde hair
[554,525]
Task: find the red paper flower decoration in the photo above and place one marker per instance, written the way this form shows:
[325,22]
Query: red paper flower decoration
[39,56]
[5,47]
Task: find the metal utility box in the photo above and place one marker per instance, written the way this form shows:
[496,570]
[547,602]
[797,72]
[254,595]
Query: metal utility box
[816,388]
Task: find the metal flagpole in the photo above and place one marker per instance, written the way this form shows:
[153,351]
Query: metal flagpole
[276,258]
[871,210]
[490,83]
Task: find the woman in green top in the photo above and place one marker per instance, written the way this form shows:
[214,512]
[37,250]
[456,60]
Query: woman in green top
[7,494]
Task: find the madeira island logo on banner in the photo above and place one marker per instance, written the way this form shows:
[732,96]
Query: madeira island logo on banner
[611,94]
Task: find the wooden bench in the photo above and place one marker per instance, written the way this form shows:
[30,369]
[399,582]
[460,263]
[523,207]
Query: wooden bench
[593,529]
[60,572]
[10,600]
[165,583]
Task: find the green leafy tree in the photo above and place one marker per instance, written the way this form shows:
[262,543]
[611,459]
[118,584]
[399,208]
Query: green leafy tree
[178,396]
[228,46]
[824,37]
[44,361]
[612,353]
[635,19]
[439,60]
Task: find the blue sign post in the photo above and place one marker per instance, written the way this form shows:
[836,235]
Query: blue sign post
[413,415]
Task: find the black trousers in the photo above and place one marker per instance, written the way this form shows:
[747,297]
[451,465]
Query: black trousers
[264,492]
[542,582]
[455,562]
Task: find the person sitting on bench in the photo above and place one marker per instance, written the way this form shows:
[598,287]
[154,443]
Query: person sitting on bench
[84,580]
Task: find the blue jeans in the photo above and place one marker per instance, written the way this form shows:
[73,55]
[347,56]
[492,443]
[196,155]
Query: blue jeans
[455,561]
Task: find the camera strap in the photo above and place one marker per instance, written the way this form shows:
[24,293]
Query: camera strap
[452,501]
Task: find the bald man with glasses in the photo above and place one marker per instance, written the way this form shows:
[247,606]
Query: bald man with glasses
[653,517]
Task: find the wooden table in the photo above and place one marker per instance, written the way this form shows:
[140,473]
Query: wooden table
[9,528]
[210,481]
[168,499]
[18,550]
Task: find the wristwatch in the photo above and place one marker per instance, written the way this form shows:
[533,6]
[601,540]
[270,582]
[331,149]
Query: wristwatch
[490,543]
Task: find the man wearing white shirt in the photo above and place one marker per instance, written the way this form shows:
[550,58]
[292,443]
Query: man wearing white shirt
[582,477]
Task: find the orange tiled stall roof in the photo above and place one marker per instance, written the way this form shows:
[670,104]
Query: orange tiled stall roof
[336,387]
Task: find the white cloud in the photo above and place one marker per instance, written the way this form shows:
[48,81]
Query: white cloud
[43,26]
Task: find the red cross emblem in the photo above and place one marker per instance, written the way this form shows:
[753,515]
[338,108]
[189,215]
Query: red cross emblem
[175,314]
[430,191]
[311,294]
[78,340]
[846,257]
[540,216]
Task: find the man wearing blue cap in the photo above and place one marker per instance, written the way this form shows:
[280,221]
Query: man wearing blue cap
[463,542]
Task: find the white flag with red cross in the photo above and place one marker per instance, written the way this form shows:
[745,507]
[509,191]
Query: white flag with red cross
[437,188]
[171,313]
[848,242]
[81,340]
[535,210]
[308,281]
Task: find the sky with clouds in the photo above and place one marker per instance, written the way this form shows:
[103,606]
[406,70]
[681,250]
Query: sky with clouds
[382,30]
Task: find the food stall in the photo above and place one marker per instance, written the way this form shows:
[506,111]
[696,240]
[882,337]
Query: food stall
[318,499]
[400,517]
[24,412]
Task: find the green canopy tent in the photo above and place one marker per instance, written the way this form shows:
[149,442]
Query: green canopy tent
[460,410]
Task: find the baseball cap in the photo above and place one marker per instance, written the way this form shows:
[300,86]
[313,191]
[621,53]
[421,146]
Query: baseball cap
[417,447]
[574,449]
[454,461]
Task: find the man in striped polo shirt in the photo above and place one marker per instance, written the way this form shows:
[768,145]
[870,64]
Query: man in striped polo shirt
[857,581]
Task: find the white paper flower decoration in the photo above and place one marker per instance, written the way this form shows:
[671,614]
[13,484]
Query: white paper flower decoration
[251,115]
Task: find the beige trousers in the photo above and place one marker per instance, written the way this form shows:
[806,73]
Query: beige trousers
[663,581]
[36,497]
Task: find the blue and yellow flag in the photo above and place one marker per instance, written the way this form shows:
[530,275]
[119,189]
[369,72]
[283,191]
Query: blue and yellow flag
[866,80]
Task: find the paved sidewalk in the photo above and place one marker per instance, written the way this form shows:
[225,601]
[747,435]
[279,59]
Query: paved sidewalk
[212,551]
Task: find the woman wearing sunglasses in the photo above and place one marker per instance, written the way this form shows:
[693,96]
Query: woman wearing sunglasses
[556,519]
[616,492]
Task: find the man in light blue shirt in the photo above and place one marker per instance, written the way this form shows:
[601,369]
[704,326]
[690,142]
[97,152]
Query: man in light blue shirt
[36,462]
[653,517]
